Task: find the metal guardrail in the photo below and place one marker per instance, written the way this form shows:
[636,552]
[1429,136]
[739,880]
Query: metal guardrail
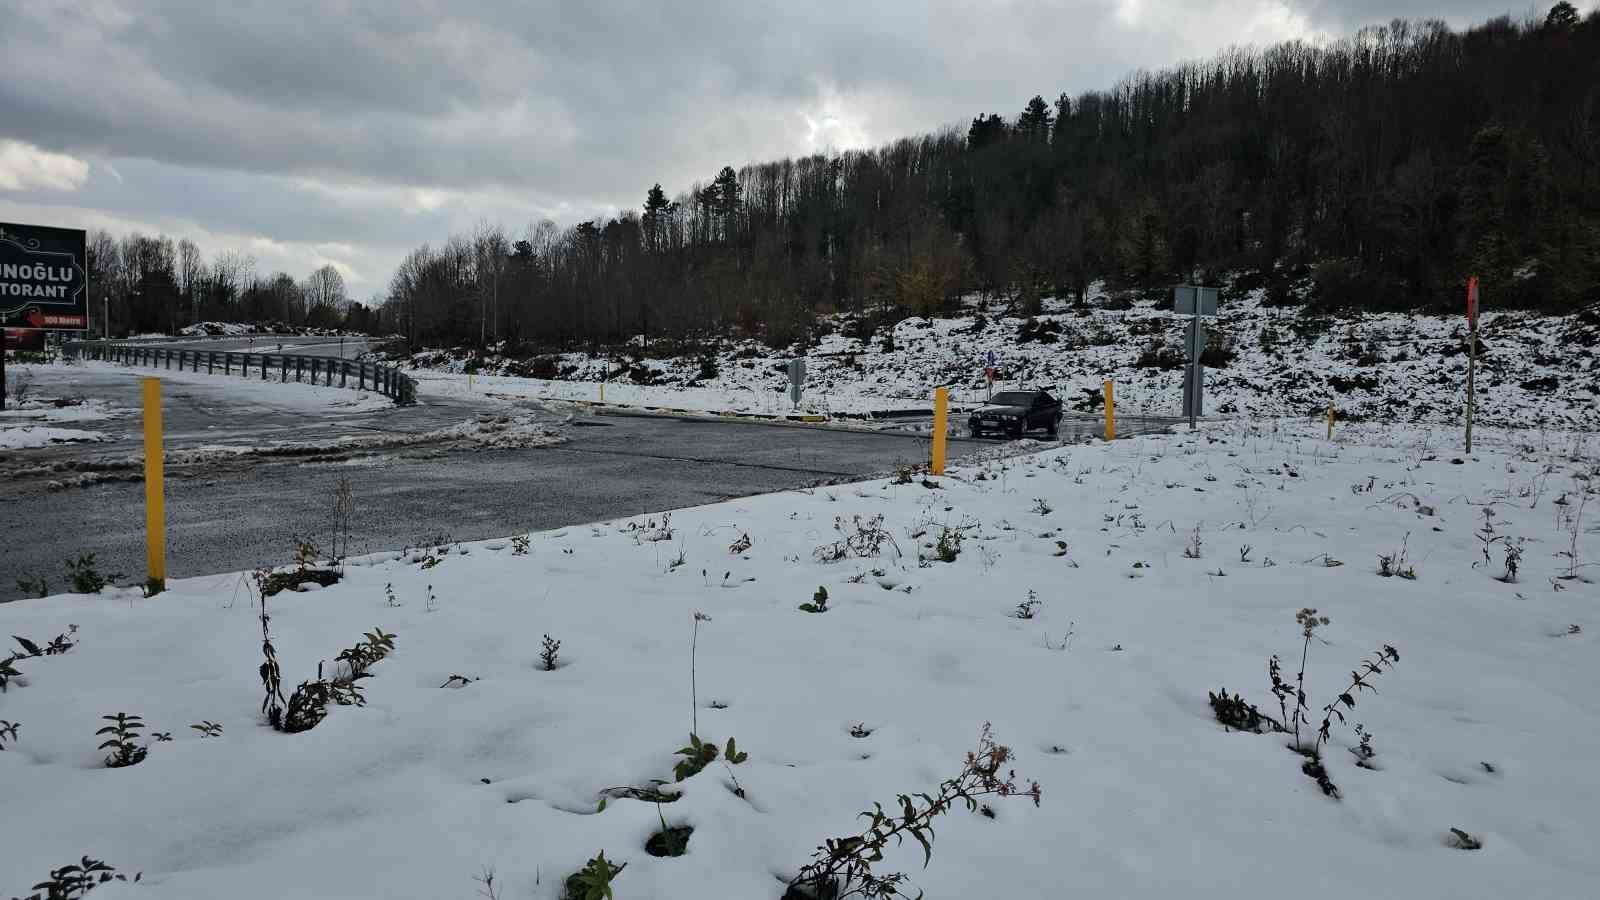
[320,370]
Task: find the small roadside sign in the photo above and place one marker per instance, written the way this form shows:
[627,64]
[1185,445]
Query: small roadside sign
[1189,300]
[797,378]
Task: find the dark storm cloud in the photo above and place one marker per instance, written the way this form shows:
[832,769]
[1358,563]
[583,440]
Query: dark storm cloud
[380,125]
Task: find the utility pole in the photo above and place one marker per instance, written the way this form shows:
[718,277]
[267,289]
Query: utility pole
[1472,350]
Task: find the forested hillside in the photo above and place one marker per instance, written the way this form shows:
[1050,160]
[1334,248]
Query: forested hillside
[1388,166]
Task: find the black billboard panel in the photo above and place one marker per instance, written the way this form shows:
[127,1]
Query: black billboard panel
[44,277]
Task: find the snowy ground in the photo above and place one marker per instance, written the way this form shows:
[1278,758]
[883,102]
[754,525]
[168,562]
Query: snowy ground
[1488,723]
[1378,367]
[35,421]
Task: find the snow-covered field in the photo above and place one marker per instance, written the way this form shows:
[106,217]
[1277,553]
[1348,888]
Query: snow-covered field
[1488,723]
[1536,370]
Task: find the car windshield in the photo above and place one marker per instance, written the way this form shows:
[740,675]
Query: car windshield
[1012,398]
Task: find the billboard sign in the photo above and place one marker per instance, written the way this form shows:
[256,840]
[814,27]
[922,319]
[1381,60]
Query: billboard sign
[44,277]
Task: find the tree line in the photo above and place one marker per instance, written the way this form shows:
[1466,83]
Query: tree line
[154,284]
[1376,172]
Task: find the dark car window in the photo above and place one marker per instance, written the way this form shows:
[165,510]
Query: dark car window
[1012,398]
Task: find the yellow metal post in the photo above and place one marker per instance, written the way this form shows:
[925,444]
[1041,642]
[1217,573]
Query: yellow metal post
[1111,412]
[602,392]
[941,424]
[155,496]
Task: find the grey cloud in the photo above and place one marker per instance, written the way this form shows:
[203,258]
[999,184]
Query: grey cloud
[311,121]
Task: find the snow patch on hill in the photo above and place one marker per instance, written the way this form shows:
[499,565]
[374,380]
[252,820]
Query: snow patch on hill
[1534,371]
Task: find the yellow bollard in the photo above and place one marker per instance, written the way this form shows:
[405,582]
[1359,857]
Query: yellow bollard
[602,392]
[1330,420]
[941,424]
[155,496]
[1111,412]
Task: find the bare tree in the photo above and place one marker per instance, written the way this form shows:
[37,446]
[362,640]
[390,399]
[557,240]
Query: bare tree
[325,295]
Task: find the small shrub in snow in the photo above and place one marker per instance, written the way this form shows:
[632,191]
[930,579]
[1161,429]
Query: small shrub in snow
[694,682]
[819,601]
[359,658]
[1041,506]
[741,545]
[1363,751]
[58,645]
[700,754]
[670,840]
[1233,712]
[487,888]
[548,653]
[85,578]
[519,544]
[208,729]
[1460,840]
[305,571]
[8,732]
[650,531]
[593,881]
[388,596]
[1383,658]
[842,867]
[863,538]
[948,547]
[1192,549]
[71,882]
[1026,608]
[271,675]
[1392,564]
[123,730]
[33,586]
[308,705]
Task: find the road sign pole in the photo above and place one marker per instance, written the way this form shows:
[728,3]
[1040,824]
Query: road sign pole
[941,424]
[155,497]
[1472,351]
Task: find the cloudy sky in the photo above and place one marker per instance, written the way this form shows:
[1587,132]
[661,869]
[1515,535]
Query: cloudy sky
[349,132]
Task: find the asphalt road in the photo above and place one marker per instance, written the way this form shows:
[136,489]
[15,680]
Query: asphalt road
[236,517]
[230,514]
